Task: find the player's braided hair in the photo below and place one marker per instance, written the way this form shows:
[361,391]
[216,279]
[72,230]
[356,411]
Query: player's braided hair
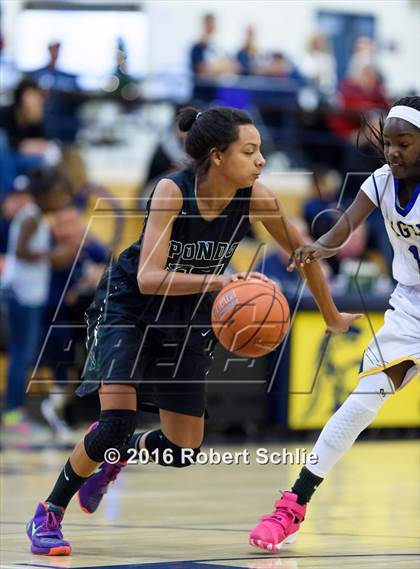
[413,102]
[375,133]
[216,128]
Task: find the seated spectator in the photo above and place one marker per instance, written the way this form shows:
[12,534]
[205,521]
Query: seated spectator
[23,140]
[319,65]
[247,55]
[169,156]
[23,121]
[121,83]
[86,193]
[274,265]
[84,272]
[364,53]
[361,92]
[361,156]
[319,210]
[71,291]
[282,67]
[12,203]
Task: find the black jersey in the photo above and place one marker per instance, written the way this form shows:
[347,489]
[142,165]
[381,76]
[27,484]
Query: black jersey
[196,246]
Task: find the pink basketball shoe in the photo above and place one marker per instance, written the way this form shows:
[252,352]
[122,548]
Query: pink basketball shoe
[280,527]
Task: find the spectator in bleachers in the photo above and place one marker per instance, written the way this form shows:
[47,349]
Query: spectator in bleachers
[23,140]
[85,193]
[275,263]
[12,203]
[10,206]
[319,65]
[282,67]
[207,61]
[121,83]
[203,53]
[247,55]
[361,157]
[63,97]
[364,53]
[319,210]
[361,92]
[23,121]
[26,277]
[169,156]
[71,291]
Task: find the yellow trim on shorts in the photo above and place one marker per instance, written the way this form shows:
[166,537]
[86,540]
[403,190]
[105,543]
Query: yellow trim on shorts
[388,365]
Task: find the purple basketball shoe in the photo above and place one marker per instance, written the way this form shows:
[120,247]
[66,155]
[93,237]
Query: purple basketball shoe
[44,531]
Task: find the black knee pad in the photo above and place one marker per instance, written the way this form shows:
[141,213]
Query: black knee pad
[165,453]
[113,430]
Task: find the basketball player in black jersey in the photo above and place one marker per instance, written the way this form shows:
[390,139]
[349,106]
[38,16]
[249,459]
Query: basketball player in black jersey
[159,293]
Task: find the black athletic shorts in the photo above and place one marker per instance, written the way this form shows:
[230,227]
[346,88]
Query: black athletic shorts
[166,362]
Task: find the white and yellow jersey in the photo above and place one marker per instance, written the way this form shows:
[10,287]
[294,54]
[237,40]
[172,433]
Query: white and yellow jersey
[402,223]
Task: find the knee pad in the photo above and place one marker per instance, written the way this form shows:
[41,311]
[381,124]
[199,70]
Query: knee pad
[113,430]
[164,452]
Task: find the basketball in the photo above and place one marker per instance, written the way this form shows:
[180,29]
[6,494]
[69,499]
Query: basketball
[250,317]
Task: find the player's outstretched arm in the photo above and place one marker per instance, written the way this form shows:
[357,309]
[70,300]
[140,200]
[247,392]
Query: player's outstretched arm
[330,243]
[266,208]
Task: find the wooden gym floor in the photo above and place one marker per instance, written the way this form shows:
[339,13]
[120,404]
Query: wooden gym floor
[366,515]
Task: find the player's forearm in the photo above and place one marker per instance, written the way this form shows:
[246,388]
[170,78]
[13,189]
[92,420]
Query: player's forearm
[350,220]
[320,291]
[172,283]
[333,240]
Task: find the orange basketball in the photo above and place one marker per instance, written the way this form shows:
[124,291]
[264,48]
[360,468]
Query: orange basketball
[250,317]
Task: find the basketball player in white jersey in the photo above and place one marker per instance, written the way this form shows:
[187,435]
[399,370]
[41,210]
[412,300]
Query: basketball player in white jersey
[392,358]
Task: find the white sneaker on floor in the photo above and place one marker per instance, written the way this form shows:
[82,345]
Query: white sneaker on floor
[49,412]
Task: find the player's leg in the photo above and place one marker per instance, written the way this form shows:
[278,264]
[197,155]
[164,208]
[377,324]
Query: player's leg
[164,446]
[115,426]
[115,457]
[182,413]
[181,408]
[336,438]
[177,442]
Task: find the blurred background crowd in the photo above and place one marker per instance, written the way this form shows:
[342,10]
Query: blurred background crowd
[87,128]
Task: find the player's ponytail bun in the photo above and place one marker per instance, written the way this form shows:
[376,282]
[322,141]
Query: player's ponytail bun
[214,128]
[186,118]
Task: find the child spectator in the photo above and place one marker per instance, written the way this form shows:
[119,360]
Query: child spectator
[26,278]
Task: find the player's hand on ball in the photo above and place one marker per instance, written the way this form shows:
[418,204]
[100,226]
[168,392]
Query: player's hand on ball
[227,279]
[342,323]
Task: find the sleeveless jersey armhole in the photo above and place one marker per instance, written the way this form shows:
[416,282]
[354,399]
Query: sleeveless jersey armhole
[376,192]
